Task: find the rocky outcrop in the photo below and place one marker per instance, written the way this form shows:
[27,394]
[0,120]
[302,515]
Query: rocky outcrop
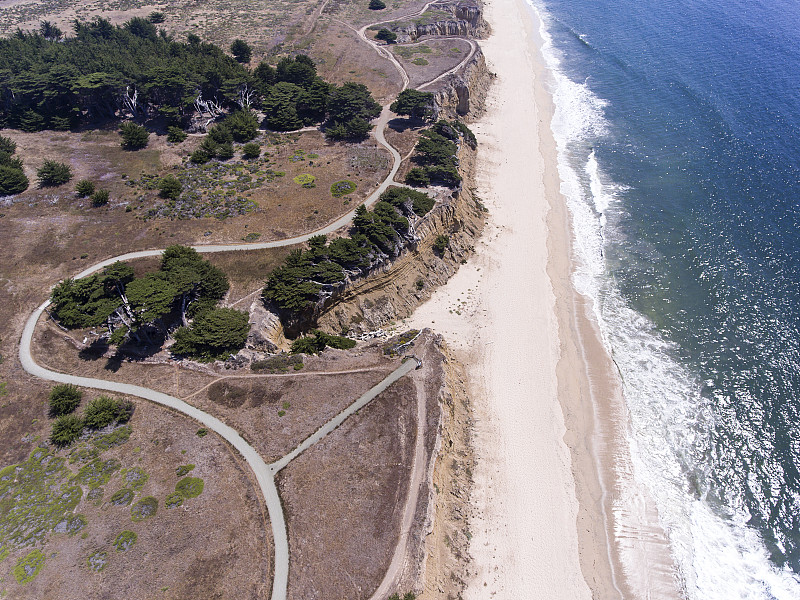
[466,20]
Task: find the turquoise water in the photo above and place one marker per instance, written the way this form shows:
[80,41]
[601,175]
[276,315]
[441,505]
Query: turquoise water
[678,126]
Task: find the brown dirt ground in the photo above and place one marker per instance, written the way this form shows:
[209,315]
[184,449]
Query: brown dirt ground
[196,550]
[344,497]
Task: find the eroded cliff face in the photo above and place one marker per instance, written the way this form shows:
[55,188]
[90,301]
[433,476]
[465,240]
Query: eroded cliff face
[463,94]
[466,20]
[397,288]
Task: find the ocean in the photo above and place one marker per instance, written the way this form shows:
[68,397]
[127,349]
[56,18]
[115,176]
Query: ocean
[678,131]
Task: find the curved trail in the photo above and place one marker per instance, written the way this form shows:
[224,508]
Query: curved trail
[264,473]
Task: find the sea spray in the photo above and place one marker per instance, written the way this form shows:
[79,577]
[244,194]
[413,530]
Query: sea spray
[671,452]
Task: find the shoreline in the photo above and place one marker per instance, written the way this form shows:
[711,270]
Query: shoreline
[546,396]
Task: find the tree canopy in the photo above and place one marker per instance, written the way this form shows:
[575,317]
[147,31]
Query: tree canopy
[12,178]
[215,334]
[413,103]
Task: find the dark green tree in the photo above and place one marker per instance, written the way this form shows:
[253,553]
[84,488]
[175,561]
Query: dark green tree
[12,181]
[299,70]
[176,135]
[280,107]
[241,51]
[413,103]
[198,284]
[377,4]
[103,411]
[156,17]
[53,173]
[215,333]
[134,137]
[251,150]
[417,177]
[243,125]
[64,398]
[386,35]
[49,31]
[7,145]
[100,198]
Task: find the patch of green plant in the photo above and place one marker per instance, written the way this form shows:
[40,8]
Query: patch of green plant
[125,541]
[122,497]
[176,135]
[100,198]
[70,524]
[104,410]
[135,478]
[190,487]
[183,470]
[305,180]
[277,364]
[53,173]
[396,344]
[440,243]
[95,495]
[174,500]
[403,198]
[4,552]
[29,566]
[84,188]
[420,62]
[202,432]
[318,341]
[115,438]
[97,472]
[251,237]
[144,509]
[342,188]
[97,561]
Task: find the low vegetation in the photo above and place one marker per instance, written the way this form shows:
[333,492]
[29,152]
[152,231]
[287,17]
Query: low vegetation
[318,341]
[342,188]
[29,566]
[53,173]
[125,541]
[144,509]
[64,398]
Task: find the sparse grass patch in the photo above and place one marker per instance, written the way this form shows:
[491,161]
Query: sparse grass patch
[122,497]
[277,364]
[115,438]
[174,500]
[305,180]
[97,561]
[144,509]
[420,62]
[29,566]
[135,478]
[97,472]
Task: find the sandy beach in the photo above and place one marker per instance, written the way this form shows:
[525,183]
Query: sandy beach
[553,517]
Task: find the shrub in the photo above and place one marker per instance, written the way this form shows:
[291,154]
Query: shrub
[53,173]
[176,135]
[64,398]
[103,411]
[28,567]
[7,145]
[386,35]
[377,4]
[156,17]
[342,188]
[122,497]
[418,177]
[251,150]
[173,500]
[225,151]
[440,243]
[66,430]
[169,187]
[421,203]
[306,180]
[12,180]
[215,334]
[318,341]
[190,487]
[100,198]
[125,541]
[84,188]
[134,137]
[183,470]
[200,156]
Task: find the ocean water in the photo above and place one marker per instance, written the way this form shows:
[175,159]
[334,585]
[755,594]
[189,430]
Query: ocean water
[678,131]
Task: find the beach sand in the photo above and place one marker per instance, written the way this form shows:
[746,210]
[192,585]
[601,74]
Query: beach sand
[552,481]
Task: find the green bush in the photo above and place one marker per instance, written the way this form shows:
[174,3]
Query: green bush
[251,150]
[12,181]
[421,203]
[53,173]
[225,151]
[318,341]
[173,500]
[122,497]
[156,17]
[7,145]
[100,198]
[183,470]
[243,125]
[377,4]
[241,51]
[342,188]
[190,487]
[29,566]
[215,334]
[440,243]
[176,135]
[84,188]
[134,137]
[306,180]
[200,156]
[66,429]
[64,398]
[103,411]
[169,187]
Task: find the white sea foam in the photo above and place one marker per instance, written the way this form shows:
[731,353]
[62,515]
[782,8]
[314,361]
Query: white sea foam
[717,555]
